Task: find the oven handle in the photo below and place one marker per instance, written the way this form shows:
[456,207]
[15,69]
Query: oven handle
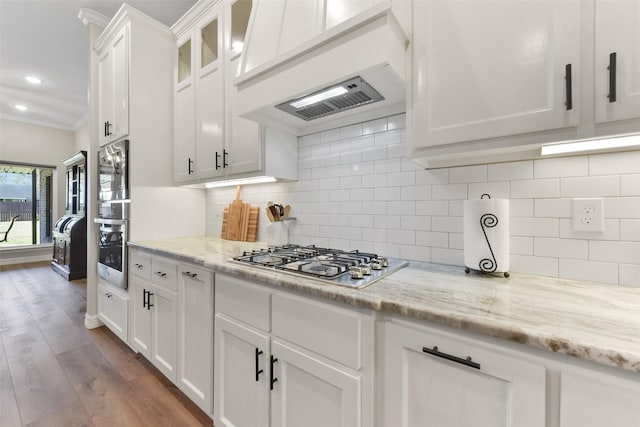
[110,221]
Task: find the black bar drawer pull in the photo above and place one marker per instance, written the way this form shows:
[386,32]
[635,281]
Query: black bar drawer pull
[258,370]
[467,362]
[144,298]
[189,163]
[612,77]
[217,157]
[138,266]
[224,158]
[272,379]
[190,274]
[161,274]
[567,80]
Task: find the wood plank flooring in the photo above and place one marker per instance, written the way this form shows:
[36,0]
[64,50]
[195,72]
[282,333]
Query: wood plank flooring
[55,372]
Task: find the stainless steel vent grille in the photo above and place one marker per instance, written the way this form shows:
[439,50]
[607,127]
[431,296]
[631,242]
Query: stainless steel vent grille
[358,93]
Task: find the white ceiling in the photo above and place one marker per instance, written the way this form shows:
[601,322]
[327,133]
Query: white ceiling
[46,38]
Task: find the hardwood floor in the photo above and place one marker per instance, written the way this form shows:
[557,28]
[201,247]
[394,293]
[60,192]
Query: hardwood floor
[55,372]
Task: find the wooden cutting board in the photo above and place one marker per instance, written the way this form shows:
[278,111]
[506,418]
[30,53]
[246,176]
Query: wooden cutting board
[240,221]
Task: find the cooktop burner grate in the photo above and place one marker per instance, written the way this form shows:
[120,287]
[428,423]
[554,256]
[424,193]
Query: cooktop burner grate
[348,268]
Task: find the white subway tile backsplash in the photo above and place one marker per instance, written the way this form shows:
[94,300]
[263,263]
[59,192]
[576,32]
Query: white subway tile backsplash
[521,245]
[591,186]
[497,190]
[630,274]
[621,252]
[361,194]
[388,138]
[415,223]
[416,192]
[374,126]
[387,221]
[357,190]
[387,166]
[351,131]
[553,208]
[398,121]
[536,227]
[374,153]
[402,237]
[592,271]
[614,163]
[447,223]
[432,207]
[447,256]
[538,188]
[419,253]
[432,239]
[510,171]
[466,174]
[521,208]
[401,179]
[434,176]
[611,231]
[622,207]
[449,192]
[362,168]
[401,207]
[630,230]
[630,185]
[534,265]
[561,248]
[561,167]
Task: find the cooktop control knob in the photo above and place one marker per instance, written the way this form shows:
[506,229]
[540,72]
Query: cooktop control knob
[375,264]
[366,269]
[356,272]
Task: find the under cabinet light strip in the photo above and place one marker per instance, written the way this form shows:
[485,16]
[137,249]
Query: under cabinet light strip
[591,145]
[244,181]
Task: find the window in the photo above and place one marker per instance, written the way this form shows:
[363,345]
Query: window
[26,194]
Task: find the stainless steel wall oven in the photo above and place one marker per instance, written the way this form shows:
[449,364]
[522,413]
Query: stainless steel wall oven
[113,209]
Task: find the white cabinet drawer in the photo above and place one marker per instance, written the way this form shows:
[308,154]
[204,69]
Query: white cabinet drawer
[325,329]
[164,273]
[243,301]
[112,310]
[140,264]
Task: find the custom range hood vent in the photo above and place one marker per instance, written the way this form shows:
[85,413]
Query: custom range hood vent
[334,99]
[324,68]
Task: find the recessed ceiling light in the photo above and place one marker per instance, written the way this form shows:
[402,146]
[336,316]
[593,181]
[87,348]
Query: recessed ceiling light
[21,107]
[33,80]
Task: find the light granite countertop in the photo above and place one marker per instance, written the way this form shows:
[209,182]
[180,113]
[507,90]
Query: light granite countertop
[588,320]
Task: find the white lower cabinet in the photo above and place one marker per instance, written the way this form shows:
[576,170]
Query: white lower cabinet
[113,308]
[594,399]
[438,379]
[265,378]
[195,335]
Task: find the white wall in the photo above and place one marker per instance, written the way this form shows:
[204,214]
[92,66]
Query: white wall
[27,143]
[356,190]
[83,137]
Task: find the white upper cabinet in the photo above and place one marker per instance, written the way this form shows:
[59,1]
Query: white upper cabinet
[487,69]
[211,141]
[617,60]
[114,87]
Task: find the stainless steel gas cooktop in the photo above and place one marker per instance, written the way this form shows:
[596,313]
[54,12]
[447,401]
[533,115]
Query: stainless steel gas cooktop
[354,269]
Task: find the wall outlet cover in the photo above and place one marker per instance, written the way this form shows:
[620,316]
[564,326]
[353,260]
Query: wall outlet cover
[588,215]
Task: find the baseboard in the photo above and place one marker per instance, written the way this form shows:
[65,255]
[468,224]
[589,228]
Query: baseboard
[25,259]
[92,322]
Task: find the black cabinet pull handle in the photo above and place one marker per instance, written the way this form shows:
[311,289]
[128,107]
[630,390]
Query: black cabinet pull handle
[190,274]
[612,76]
[467,362]
[107,128]
[189,163]
[144,298]
[272,379]
[567,80]
[138,266]
[161,274]
[224,158]
[149,305]
[258,370]
[217,157]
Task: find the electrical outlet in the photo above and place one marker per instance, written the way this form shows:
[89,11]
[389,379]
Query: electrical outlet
[588,215]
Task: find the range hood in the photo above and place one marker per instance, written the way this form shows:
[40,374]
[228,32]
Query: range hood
[313,78]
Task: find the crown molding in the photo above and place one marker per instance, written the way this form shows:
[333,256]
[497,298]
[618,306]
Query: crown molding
[90,16]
